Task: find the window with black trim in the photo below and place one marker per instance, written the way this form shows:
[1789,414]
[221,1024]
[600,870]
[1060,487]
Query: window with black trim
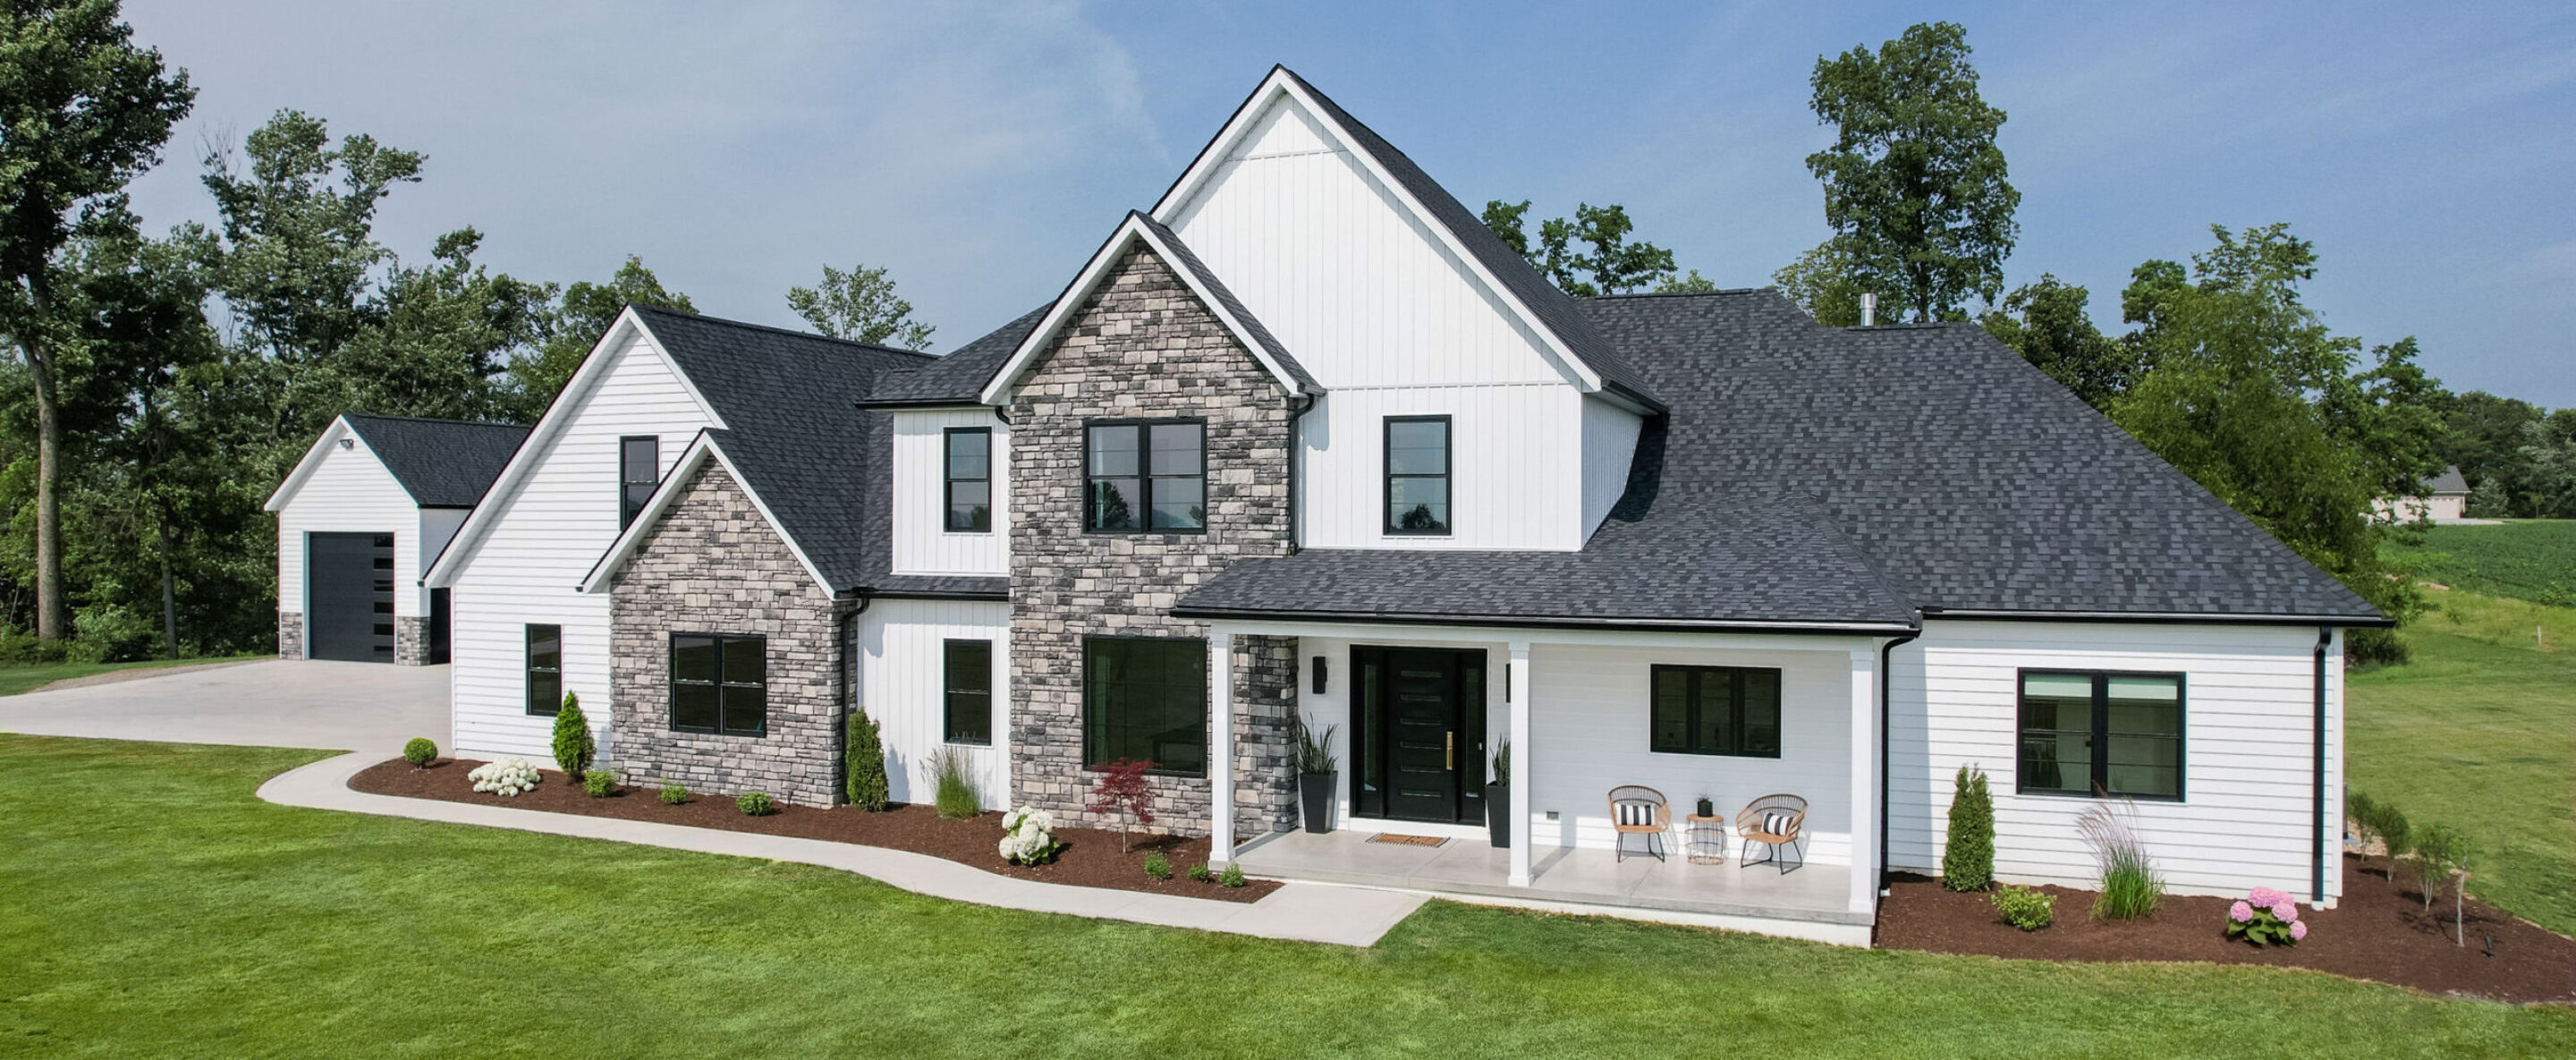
[1716,710]
[639,467]
[719,684]
[1145,476]
[1145,698]
[545,669]
[968,668]
[1417,474]
[968,462]
[2101,733]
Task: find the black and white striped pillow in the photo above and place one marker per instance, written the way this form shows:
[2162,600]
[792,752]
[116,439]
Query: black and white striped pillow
[1636,813]
[1776,822]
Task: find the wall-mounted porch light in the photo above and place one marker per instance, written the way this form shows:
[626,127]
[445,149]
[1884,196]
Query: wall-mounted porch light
[1319,675]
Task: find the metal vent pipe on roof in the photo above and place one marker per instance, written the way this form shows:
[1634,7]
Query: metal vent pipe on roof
[1868,310]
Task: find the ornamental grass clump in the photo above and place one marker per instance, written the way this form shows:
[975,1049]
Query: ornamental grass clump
[756,804]
[505,777]
[2027,908]
[2266,917]
[1968,860]
[420,752]
[2131,886]
[953,780]
[574,749]
[1028,837]
[600,783]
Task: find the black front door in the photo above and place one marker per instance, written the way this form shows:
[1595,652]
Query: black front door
[349,585]
[1419,739]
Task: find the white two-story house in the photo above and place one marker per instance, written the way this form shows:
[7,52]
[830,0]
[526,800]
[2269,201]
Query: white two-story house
[1304,440]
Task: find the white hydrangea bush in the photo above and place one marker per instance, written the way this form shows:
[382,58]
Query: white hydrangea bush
[1028,836]
[505,777]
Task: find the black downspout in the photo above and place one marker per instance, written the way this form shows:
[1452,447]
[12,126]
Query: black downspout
[1294,459]
[844,652]
[1886,690]
[2317,809]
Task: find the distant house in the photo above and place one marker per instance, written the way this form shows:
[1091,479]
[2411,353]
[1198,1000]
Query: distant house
[2444,498]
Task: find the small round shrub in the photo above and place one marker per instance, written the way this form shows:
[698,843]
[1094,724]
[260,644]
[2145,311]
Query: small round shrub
[1200,873]
[600,783]
[2026,908]
[756,804]
[1158,866]
[1233,876]
[420,752]
[674,794]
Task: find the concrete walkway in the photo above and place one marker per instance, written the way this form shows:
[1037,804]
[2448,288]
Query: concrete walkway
[1303,912]
[348,705]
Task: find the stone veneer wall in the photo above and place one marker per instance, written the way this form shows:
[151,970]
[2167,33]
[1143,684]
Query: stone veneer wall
[712,564]
[411,641]
[1143,347]
[290,634]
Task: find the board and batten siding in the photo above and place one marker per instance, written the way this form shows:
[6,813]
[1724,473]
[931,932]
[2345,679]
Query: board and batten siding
[542,539]
[922,542]
[1516,467]
[902,677]
[1609,444]
[350,491]
[2248,747]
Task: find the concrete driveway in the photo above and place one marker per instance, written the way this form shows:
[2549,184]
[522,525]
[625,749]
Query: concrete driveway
[354,706]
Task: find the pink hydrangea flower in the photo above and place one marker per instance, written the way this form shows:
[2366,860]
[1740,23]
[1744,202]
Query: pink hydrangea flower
[2240,912]
[2266,898]
[2298,930]
[2287,910]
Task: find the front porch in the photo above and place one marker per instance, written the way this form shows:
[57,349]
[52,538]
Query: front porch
[1811,902]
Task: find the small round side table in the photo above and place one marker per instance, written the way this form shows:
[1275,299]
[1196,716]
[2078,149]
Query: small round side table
[1704,839]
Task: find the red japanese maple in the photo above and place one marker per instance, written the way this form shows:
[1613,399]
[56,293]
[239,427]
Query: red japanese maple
[1122,790]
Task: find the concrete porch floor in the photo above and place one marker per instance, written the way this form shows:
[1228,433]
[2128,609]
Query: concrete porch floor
[1809,902]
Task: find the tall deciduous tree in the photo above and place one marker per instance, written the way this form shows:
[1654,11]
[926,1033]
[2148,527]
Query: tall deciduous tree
[441,337]
[2047,324]
[1915,188]
[1611,264]
[860,305]
[579,320]
[83,111]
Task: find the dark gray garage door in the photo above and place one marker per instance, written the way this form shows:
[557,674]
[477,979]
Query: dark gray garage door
[349,586]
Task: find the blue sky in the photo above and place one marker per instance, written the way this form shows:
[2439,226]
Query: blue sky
[982,151]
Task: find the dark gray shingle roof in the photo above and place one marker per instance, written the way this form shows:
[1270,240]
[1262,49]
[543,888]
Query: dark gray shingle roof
[2449,481]
[959,377]
[441,463]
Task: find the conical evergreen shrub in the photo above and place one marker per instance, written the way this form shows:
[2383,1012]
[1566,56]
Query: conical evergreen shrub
[865,759]
[1968,863]
[574,748]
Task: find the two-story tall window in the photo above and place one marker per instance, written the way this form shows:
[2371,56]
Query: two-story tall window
[2101,733]
[969,453]
[1716,710]
[639,467]
[1145,699]
[719,684]
[545,669]
[1417,475]
[1144,476]
[968,667]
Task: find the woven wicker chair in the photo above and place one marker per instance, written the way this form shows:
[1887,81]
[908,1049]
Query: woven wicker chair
[1641,811]
[1772,821]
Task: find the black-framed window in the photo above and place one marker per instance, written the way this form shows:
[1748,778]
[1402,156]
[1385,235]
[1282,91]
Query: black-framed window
[639,467]
[1145,698]
[545,669]
[1145,476]
[719,684]
[967,459]
[1417,474]
[1716,710]
[2101,732]
[967,666]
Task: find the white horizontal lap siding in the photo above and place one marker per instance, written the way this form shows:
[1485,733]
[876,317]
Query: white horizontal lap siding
[1516,475]
[902,676]
[349,492]
[922,543]
[1609,441]
[1590,731]
[1358,291]
[2248,747]
[543,538]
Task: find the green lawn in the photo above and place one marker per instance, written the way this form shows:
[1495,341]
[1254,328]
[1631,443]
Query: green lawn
[153,907]
[16,679]
[2527,559]
[2480,732]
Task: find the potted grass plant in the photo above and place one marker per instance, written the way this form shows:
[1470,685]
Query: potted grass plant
[1315,776]
[1498,797]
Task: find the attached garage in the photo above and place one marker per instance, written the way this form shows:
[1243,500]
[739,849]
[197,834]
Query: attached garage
[362,515]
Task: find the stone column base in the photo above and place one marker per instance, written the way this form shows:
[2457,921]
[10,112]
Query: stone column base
[290,634]
[411,641]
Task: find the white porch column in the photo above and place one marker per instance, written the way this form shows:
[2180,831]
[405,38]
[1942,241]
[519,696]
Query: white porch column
[1220,668]
[1864,779]
[1516,685]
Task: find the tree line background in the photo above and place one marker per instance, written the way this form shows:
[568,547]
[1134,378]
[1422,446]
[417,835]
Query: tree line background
[160,386]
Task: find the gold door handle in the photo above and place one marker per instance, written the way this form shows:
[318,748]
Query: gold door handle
[1452,757]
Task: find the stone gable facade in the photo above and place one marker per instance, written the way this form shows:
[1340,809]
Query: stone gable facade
[1143,347]
[713,564]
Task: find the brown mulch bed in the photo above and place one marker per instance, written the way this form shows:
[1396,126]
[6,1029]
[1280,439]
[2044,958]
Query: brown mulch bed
[2380,931]
[1091,857]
